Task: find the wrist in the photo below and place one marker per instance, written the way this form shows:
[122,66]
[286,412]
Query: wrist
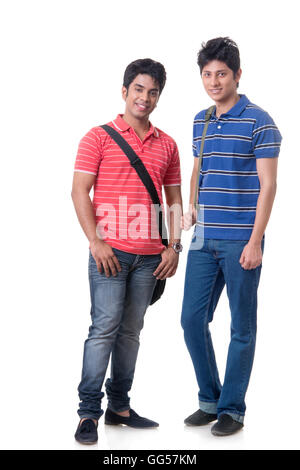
[175,246]
[96,241]
[255,241]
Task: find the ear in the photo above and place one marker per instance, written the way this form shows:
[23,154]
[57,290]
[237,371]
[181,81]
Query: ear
[156,102]
[238,75]
[124,93]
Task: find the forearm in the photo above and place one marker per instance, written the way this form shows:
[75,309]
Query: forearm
[192,189]
[85,214]
[174,218]
[263,212]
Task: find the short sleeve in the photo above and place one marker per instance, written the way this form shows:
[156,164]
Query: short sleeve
[195,132]
[89,153]
[173,176]
[198,126]
[266,137]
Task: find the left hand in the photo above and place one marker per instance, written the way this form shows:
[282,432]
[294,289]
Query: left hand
[168,265]
[251,256]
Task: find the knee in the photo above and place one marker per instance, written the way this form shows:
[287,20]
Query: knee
[194,320]
[183,321]
[185,315]
[131,330]
[103,330]
[190,321]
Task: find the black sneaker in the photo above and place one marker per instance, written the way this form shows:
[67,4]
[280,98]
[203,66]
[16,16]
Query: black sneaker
[200,418]
[134,420]
[86,432]
[226,426]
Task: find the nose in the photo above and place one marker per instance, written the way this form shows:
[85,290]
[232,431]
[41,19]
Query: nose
[214,80]
[145,96]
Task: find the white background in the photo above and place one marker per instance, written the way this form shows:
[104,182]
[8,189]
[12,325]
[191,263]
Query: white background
[62,68]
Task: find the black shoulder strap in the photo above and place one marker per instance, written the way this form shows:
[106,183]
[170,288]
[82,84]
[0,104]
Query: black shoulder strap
[142,172]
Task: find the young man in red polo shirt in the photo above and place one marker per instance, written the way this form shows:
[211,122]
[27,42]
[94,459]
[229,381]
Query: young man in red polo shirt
[126,253]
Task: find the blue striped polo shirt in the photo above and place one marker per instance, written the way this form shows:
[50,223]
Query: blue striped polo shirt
[228,183]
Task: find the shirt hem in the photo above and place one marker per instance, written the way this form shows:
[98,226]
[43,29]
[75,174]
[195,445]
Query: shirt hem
[224,235]
[134,250]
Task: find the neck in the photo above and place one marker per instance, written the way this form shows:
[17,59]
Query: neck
[223,107]
[141,126]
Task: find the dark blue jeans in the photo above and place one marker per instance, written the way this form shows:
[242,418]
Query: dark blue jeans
[209,268]
[117,312]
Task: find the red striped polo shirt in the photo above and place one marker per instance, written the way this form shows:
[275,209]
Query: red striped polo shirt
[123,208]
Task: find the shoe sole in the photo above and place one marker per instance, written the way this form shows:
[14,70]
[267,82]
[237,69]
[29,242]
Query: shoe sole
[198,425]
[89,443]
[130,425]
[220,434]
[113,424]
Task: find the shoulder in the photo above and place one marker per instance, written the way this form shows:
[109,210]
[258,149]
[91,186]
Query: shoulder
[165,138]
[96,135]
[257,113]
[265,134]
[199,118]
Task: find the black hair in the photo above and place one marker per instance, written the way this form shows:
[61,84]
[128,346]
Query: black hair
[145,66]
[222,49]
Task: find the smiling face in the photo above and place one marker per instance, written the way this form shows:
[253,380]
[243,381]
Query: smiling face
[219,81]
[141,97]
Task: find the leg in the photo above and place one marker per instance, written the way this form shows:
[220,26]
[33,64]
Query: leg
[107,299]
[242,294]
[140,287]
[204,283]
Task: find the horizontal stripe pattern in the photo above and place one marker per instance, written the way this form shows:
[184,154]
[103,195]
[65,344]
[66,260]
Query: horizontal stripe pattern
[115,179]
[229,185]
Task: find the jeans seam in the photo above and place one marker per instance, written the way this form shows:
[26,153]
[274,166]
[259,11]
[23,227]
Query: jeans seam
[250,319]
[206,323]
[92,295]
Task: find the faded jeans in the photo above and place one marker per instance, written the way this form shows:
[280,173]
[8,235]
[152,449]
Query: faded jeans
[209,269]
[118,305]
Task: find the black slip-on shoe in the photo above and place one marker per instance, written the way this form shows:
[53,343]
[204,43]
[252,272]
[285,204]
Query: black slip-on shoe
[226,426]
[200,418]
[86,432]
[134,420]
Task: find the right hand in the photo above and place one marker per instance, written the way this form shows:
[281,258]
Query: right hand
[105,258]
[188,219]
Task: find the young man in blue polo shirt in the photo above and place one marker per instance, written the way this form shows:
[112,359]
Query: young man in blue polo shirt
[237,187]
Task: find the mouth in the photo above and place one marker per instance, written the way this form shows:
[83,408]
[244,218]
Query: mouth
[141,106]
[214,91]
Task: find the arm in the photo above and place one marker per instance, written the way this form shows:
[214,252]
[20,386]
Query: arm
[189,218]
[267,172]
[174,204]
[169,262]
[101,251]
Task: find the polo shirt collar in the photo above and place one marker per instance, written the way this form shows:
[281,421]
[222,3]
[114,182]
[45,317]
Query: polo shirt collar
[123,126]
[238,108]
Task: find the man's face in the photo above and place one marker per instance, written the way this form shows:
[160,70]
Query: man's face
[219,81]
[141,97]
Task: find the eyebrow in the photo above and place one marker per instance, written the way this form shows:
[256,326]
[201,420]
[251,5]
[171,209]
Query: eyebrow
[141,86]
[217,71]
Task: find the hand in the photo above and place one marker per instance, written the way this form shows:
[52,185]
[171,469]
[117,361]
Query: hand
[251,256]
[168,265]
[188,219]
[105,258]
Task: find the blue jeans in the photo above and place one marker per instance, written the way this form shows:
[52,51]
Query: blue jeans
[208,269]
[118,305]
